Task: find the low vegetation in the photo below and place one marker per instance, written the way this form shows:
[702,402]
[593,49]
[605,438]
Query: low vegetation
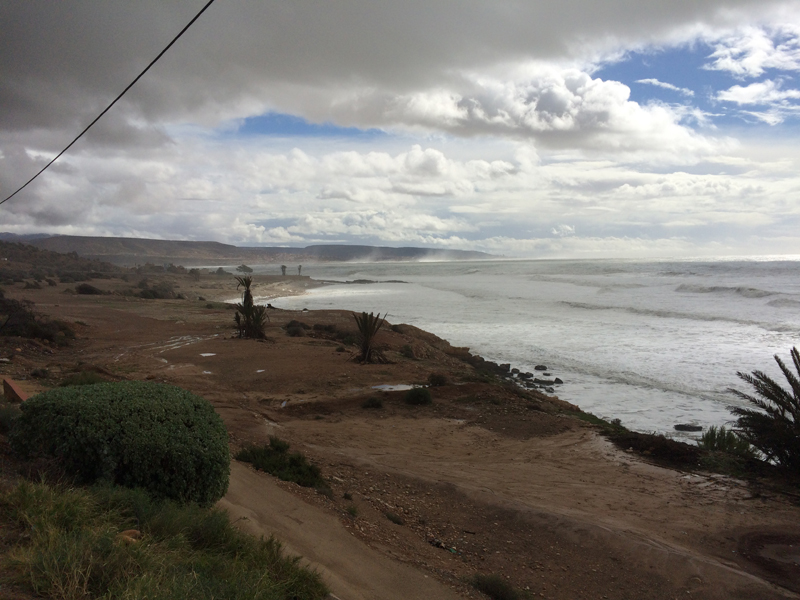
[274,458]
[720,439]
[373,402]
[437,379]
[18,318]
[8,414]
[135,434]
[495,586]
[82,378]
[111,542]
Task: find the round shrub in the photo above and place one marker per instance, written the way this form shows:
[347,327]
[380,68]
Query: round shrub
[134,433]
[418,396]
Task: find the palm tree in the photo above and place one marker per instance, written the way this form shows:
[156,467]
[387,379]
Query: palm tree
[775,428]
[368,327]
[250,318]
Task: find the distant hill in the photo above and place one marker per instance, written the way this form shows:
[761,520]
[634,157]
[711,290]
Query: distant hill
[133,251]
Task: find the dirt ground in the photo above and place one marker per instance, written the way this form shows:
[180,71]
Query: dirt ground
[487,479]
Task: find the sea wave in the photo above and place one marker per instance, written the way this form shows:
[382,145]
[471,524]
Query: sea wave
[746,292]
[671,314]
[784,303]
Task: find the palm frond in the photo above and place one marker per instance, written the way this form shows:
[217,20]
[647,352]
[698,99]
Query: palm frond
[774,426]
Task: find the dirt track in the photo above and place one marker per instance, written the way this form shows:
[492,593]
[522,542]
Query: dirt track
[483,481]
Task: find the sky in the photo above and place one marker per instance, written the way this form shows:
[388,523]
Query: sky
[569,129]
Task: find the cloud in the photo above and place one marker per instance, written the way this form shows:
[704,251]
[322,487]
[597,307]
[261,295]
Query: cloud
[497,130]
[764,92]
[666,86]
[751,51]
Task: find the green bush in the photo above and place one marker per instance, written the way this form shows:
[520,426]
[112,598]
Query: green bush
[418,396]
[725,440]
[134,433]
[275,459]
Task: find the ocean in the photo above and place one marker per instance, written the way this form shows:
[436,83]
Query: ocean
[653,344]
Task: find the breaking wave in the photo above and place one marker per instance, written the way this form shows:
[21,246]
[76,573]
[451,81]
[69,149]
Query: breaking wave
[745,292]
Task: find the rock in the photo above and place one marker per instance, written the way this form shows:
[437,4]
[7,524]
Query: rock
[540,368]
[544,381]
[12,391]
[515,370]
[546,374]
[505,367]
[557,381]
[549,390]
[688,427]
[525,375]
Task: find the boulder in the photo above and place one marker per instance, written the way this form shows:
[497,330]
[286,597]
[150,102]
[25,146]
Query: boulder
[544,381]
[688,427]
[540,368]
[514,370]
[557,381]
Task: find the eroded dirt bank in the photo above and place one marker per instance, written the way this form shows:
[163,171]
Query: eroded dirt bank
[487,479]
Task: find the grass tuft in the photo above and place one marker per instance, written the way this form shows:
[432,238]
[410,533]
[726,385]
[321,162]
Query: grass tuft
[372,403]
[66,543]
[395,518]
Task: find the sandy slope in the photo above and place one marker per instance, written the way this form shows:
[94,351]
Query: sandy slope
[350,568]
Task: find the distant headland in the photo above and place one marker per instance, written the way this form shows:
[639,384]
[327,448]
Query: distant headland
[132,251]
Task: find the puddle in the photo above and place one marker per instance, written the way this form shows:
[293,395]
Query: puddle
[400,387]
[207,354]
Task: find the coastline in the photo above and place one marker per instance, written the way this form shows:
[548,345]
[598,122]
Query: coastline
[487,479]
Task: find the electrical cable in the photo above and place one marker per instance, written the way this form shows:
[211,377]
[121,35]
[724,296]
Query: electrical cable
[80,135]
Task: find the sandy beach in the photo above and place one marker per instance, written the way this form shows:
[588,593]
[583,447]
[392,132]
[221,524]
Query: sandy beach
[487,479]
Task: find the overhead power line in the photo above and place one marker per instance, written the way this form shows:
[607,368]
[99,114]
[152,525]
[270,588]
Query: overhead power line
[132,83]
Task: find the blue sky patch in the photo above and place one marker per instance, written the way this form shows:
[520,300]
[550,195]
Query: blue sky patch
[282,125]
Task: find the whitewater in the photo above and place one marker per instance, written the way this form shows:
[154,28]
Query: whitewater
[653,344]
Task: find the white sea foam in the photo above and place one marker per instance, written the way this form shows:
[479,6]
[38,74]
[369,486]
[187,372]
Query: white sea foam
[653,344]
